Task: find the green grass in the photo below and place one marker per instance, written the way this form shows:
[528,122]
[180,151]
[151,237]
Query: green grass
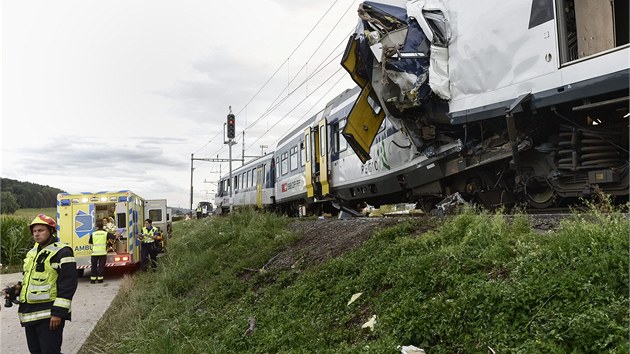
[478,282]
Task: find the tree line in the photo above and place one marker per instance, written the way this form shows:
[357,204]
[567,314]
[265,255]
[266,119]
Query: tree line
[17,194]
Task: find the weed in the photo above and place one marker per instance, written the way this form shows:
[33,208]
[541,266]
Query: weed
[478,281]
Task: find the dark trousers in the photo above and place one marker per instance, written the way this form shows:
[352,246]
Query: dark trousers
[148,253]
[98,267]
[41,339]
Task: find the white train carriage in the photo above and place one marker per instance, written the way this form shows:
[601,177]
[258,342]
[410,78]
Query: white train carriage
[253,185]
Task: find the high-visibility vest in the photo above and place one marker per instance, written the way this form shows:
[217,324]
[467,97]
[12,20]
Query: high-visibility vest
[149,232]
[40,280]
[99,243]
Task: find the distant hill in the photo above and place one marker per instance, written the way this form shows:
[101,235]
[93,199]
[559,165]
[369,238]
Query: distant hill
[31,195]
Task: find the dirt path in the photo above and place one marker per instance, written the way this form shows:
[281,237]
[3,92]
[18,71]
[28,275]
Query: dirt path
[89,304]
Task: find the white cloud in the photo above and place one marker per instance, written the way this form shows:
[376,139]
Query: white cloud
[117,94]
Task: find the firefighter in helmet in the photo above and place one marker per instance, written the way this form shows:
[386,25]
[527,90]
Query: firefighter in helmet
[50,281]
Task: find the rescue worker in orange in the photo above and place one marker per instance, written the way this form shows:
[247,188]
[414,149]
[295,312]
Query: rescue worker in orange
[98,240]
[150,237]
[50,281]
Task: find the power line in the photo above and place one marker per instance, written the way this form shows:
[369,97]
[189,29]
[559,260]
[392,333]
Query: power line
[296,106]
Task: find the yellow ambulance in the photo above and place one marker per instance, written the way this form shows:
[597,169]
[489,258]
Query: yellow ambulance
[78,213]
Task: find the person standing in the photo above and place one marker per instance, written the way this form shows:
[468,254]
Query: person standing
[98,240]
[50,281]
[150,237]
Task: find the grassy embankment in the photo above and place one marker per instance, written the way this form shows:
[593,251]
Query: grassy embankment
[15,238]
[478,282]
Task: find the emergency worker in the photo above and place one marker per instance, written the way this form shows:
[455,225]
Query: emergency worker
[150,238]
[98,240]
[50,281]
[199,212]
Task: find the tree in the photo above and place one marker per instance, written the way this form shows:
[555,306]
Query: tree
[8,203]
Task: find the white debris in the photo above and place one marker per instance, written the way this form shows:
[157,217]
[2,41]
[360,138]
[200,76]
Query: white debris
[410,349]
[370,323]
[354,297]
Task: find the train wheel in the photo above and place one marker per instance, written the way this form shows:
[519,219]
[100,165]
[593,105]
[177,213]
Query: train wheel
[539,193]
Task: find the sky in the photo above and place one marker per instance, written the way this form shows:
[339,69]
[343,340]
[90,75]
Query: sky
[120,94]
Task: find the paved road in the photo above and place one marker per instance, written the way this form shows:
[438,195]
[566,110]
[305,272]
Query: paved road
[89,304]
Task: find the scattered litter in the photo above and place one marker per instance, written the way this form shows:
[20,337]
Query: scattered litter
[252,325]
[354,297]
[449,203]
[370,323]
[410,349]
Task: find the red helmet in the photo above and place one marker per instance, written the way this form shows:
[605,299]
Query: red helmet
[44,220]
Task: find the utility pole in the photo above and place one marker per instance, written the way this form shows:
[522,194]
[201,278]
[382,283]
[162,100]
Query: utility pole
[192,158]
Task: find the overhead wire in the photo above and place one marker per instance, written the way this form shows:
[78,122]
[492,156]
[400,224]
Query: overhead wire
[294,108]
[275,105]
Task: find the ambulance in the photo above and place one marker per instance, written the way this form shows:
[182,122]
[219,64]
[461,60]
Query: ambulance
[77,215]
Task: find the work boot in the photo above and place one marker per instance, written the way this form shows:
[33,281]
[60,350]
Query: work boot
[100,281]
[92,281]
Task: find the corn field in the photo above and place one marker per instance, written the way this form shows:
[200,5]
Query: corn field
[15,239]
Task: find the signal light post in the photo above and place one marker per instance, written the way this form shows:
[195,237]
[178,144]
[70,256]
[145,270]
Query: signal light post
[231,133]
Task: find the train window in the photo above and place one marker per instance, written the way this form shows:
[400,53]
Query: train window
[247,179]
[343,144]
[302,154]
[294,159]
[253,177]
[264,176]
[588,27]
[277,167]
[283,166]
[322,140]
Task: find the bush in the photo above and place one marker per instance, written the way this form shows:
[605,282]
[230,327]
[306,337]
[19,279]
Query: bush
[8,203]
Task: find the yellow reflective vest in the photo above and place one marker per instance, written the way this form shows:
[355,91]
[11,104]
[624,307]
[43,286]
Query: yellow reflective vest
[40,281]
[151,232]
[99,243]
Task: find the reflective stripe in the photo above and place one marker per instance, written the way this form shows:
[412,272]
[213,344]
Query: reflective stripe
[61,302]
[34,316]
[67,260]
[37,297]
[39,287]
[54,265]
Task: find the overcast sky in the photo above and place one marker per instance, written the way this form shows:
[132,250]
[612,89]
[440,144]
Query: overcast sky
[117,94]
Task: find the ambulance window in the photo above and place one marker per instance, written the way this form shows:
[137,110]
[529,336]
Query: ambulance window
[121,220]
[155,214]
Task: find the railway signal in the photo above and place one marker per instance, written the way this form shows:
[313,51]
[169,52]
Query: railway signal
[231,129]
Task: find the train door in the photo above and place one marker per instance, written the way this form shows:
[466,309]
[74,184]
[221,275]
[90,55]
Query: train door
[310,161]
[259,185]
[324,172]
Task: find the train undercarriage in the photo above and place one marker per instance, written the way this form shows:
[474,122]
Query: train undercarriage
[564,153]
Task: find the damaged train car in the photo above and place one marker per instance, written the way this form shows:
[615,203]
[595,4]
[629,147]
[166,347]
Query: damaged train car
[529,97]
